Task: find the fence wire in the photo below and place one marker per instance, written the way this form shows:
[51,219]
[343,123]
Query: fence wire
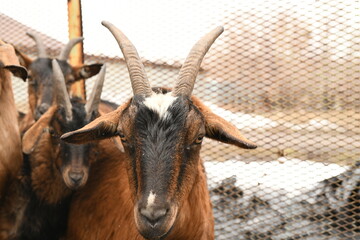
[286,73]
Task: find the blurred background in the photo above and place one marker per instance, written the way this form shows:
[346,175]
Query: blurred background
[286,73]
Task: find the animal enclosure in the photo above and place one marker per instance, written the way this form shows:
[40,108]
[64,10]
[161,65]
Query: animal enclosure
[286,73]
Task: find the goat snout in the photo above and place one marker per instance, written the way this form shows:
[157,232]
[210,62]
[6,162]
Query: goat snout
[41,109]
[76,177]
[153,215]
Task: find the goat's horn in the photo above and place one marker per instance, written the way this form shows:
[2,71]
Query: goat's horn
[139,82]
[188,72]
[62,96]
[40,45]
[65,52]
[93,103]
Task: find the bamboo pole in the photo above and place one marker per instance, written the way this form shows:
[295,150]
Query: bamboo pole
[77,53]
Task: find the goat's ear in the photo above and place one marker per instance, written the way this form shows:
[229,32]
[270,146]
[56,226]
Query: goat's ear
[25,122]
[10,62]
[103,127]
[34,133]
[219,129]
[24,59]
[18,71]
[86,71]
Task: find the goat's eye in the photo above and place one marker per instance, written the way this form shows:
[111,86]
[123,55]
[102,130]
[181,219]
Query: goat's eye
[122,137]
[199,139]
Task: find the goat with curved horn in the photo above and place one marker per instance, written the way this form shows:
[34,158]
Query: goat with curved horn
[62,94]
[159,180]
[65,52]
[188,72]
[93,103]
[139,81]
[40,45]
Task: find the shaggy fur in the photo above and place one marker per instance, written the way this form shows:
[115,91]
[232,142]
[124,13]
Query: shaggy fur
[10,144]
[47,198]
[104,208]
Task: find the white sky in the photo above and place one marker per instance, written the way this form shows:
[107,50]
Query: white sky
[167,28]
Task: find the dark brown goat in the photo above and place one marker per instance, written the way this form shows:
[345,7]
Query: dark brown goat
[10,144]
[40,83]
[157,189]
[41,96]
[52,169]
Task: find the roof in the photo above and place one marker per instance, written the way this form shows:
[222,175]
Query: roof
[14,32]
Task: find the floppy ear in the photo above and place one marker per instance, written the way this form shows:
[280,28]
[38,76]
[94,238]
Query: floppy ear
[25,122]
[18,71]
[10,62]
[219,129]
[32,136]
[102,127]
[86,71]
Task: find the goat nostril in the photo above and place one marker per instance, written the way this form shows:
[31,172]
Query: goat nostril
[153,216]
[42,108]
[76,176]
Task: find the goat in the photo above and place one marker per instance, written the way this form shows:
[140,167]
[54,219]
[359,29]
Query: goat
[42,89]
[52,169]
[157,189]
[10,143]
[40,84]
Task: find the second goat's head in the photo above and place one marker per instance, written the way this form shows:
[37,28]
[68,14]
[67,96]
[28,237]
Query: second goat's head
[40,79]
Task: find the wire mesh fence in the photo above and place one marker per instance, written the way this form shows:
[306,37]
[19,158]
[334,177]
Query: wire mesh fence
[284,72]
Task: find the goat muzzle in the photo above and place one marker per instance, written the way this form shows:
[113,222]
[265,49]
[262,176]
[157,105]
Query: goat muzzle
[75,179]
[156,221]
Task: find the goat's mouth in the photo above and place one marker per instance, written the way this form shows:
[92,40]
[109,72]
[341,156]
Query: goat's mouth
[157,226]
[74,179]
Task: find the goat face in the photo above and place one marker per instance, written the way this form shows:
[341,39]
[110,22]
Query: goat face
[163,141]
[65,115]
[74,160]
[161,133]
[40,88]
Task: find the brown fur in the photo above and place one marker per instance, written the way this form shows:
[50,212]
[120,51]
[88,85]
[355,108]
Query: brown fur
[110,191]
[10,144]
[46,180]
[104,208]
[161,154]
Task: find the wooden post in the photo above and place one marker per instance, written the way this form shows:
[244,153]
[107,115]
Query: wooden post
[77,53]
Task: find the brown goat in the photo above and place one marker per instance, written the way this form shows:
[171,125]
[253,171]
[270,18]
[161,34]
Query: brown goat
[52,169]
[157,189]
[10,144]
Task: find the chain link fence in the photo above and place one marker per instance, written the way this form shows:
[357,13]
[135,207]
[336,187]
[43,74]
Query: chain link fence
[284,72]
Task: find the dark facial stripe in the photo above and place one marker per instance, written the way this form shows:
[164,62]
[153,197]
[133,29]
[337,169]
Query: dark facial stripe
[158,137]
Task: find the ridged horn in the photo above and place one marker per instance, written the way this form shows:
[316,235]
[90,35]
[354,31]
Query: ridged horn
[39,44]
[93,103]
[139,82]
[62,96]
[188,72]
[65,52]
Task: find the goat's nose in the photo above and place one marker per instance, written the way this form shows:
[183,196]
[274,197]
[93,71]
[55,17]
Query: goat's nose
[76,176]
[43,108]
[153,215]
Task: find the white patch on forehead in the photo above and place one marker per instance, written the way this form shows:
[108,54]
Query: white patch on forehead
[160,103]
[150,200]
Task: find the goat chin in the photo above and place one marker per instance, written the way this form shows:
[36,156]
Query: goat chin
[160,229]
